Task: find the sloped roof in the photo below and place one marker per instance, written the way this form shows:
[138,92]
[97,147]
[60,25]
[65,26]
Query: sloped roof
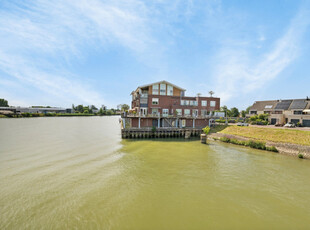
[283,105]
[298,104]
[263,105]
[166,82]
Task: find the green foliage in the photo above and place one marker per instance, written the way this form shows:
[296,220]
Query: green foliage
[251,143]
[234,112]
[3,116]
[225,139]
[261,119]
[272,149]
[220,121]
[3,103]
[243,113]
[206,130]
[153,129]
[300,156]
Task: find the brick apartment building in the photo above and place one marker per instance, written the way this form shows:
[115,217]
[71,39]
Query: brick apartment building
[163,104]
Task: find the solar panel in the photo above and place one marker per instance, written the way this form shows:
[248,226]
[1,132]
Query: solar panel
[299,104]
[285,104]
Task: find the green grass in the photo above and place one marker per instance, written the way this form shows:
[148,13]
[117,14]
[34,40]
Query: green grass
[269,134]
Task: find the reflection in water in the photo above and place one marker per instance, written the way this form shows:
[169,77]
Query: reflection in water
[78,173]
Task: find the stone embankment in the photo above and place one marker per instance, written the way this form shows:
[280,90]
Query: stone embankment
[283,148]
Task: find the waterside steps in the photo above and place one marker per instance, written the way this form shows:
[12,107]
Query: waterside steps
[140,133]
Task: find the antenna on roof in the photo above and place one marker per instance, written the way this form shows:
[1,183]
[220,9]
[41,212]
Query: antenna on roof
[211,93]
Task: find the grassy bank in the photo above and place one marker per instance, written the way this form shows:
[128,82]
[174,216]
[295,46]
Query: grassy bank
[267,134]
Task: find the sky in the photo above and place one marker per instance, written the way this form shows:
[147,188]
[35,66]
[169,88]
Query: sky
[64,52]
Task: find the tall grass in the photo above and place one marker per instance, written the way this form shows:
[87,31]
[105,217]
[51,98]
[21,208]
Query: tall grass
[251,144]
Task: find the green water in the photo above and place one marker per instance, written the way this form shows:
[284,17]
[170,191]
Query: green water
[77,173]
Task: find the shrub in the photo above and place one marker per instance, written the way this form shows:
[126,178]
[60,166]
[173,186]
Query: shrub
[300,156]
[272,149]
[225,139]
[257,145]
[2,116]
[206,130]
[153,129]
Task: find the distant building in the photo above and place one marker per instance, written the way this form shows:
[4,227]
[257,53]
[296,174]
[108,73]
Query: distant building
[284,111]
[163,104]
[38,109]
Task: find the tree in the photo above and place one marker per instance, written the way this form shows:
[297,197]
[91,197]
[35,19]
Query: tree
[211,93]
[243,113]
[124,107]
[247,111]
[226,110]
[234,112]
[3,103]
[79,108]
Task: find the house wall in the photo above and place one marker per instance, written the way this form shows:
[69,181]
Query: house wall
[171,102]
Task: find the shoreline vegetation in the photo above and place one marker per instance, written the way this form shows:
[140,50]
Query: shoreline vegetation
[288,142]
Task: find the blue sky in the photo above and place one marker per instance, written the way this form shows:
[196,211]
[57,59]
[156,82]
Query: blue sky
[96,52]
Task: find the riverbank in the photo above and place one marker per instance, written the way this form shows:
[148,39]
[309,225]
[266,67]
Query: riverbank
[289,142]
[27,115]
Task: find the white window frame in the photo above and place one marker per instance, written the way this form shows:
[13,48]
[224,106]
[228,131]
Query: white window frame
[183,123]
[194,112]
[204,103]
[155,89]
[212,103]
[187,112]
[162,89]
[155,101]
[179,112]
[169,90]
[204,112]
[165,112]
[182,102]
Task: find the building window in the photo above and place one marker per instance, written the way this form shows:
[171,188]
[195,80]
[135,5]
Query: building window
[204,112]
[195,112]
[268,106]
[182,102]
[165,112]
[183,123]
[195,103]
[162,89]
[155,101]
[170,90]
[191,102]
[203,103]
[253,112]
[297,111]
[155,111]
[179,112]
[212,103]
[155,89]
[187,112]
[186,102]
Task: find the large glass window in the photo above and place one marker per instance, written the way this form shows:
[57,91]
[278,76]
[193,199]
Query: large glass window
[204,112]
[155,101]
[165,112]
[162,89]
[195,112]
[187,112]
[182,102]
[155,89]
[212,103]
[179,112]
[170,90]
[203,103]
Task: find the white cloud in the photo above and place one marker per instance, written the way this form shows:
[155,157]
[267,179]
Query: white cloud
[240,70]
